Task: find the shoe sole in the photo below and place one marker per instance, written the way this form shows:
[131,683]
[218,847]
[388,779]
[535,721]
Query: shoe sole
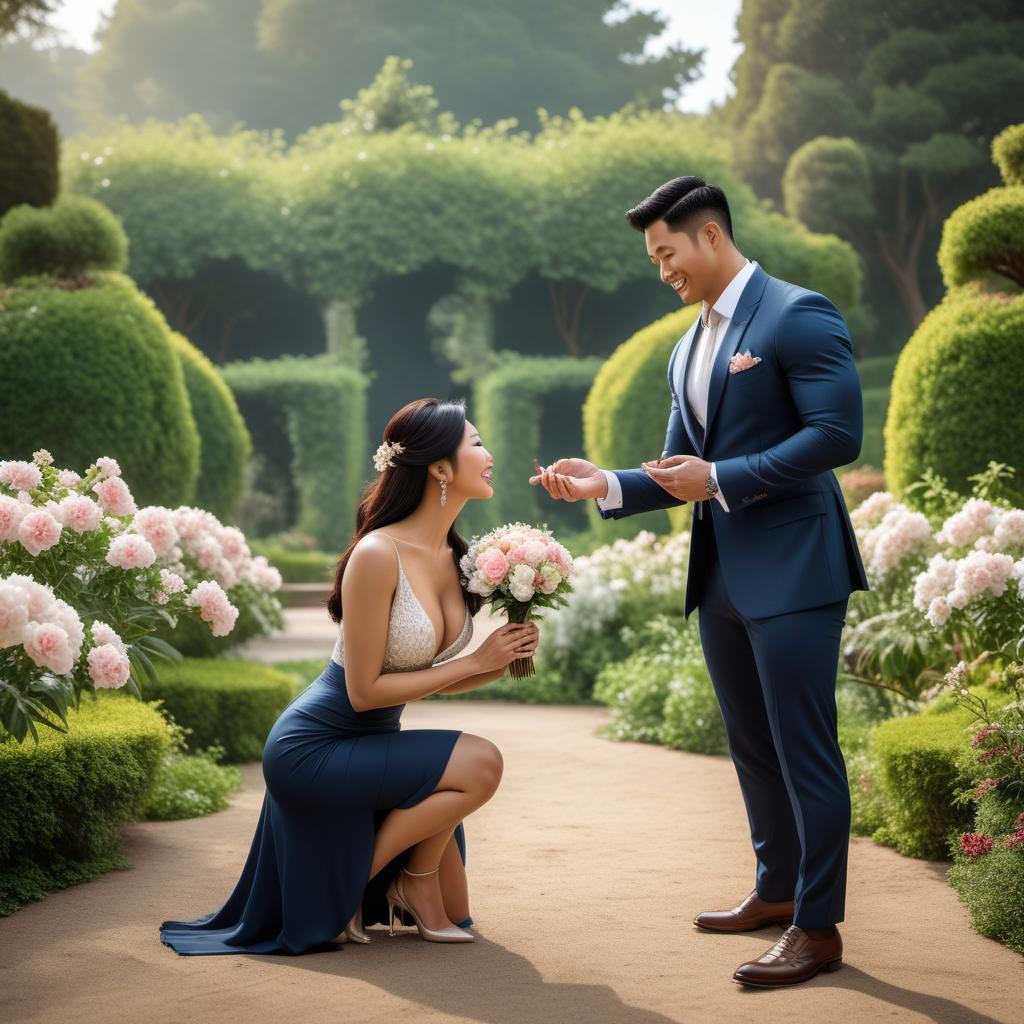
[828,968]
[780,922]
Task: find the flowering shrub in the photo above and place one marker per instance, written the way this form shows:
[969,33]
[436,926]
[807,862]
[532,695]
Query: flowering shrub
[86,577]
[518,568]
[950,579]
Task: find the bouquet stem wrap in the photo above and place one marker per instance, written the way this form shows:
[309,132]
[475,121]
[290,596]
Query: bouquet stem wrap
[521,668]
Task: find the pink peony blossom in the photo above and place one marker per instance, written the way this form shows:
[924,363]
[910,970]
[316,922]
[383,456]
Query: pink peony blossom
[493,564]
[975,519]
[534,552]
[13,613]
[232,543]
[104,634]
[1009,531]
[109,667]
[981,571]
[130,551]
[214,607]
[114,496]
[47,645]
[171,582]
[80,513]
[12,512]
[22,476]
[263,575]
[40,597]
[68,478]
[38,532]
[108,467]
[156,524]
[42,458]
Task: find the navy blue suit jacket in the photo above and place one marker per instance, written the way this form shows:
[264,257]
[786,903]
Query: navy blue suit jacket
[775,432]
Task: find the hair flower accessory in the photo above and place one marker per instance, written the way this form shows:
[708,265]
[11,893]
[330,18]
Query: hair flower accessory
[382,458]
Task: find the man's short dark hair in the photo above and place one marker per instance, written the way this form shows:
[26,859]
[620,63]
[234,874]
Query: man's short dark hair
[685,204]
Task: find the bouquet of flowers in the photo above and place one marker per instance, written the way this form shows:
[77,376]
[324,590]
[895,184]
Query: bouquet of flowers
[86,577]
[519,568]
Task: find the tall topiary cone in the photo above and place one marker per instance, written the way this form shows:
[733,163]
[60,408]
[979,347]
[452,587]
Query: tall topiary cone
[958,389]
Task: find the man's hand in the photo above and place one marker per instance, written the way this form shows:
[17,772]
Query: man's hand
[683,476]
[572,480]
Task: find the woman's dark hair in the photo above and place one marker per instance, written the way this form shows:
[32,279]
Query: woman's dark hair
[683,203]
[428,430]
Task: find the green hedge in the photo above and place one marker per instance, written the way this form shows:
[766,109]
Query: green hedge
[313,409]
[626,412]
[75,235]
[985,235]
[921,764]
[28,156]
[958,392]
[90,371]
[529,408]
[227,703]
[225,445]
[297,566]
[64,799]
[992,887]
[1008,154]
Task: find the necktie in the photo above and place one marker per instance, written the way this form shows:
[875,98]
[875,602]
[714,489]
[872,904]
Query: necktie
[701,369]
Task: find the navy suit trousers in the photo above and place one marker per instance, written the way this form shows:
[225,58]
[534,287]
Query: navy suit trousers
[775,682]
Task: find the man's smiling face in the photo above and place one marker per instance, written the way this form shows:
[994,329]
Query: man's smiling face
[685,265]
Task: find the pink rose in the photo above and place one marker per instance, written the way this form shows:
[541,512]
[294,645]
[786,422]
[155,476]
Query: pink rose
[114,496]
[38,531]
[130,551]
[493,564]
[47,645]
[22,476]
[80,513]
[109,668]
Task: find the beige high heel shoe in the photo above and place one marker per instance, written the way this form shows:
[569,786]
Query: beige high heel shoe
[354,930]
[397,901]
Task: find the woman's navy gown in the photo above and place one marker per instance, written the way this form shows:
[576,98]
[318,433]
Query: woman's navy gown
[332,774]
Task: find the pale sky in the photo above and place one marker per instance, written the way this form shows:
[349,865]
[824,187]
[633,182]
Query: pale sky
[696,23]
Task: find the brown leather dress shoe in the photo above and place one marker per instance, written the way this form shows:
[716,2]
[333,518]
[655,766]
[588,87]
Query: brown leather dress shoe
[751,914]
[796,957]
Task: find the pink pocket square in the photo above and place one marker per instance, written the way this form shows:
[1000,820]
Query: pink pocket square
[743,361]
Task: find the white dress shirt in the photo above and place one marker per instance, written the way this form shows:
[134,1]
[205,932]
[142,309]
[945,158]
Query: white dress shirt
[695,390]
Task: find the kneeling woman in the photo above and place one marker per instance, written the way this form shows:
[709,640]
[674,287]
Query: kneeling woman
[362,821]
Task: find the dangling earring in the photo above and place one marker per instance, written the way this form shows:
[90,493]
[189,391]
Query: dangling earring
[444,491]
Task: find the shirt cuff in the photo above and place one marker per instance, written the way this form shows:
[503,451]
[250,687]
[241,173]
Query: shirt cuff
[720,496]
[613,499]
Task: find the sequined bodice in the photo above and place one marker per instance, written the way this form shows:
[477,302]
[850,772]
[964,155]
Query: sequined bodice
[411,636]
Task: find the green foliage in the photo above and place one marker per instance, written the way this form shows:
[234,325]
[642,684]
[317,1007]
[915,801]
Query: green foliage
[1008,153]
[992,887]
[75,235]
[320,407]
[25,15]
[957,393]
[828,183]
[512,405]
[222,702]
[627,409]
[985,235]
[90,371]
[921,767]
[190,785]
[65,798]
[28,157]
[225,445]
[297,566]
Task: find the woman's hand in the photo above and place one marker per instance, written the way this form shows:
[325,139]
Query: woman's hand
[506,644]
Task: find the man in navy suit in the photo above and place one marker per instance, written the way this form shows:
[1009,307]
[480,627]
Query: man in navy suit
[765,403]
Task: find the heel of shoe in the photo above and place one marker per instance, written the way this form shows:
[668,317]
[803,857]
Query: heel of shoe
[392,912]
[833,965]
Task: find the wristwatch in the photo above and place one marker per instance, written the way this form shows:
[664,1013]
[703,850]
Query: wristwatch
[711,485]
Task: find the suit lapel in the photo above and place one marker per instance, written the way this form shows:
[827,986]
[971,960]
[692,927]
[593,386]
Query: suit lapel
[750,299]
[693,429]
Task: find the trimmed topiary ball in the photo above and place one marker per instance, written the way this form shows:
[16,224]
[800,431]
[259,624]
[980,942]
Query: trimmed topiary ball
[985,235]
[1008,153]
[225,445]
[28,156]
[76,235]
[88,371]
[958,392]
[627,409]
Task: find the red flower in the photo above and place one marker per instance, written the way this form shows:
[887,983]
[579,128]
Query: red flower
[1015,841]
[982,733]
[985,786]
[974,846]
[989,754]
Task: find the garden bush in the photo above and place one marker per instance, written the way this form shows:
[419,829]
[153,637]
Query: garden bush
[307,417]
[1008,153]
[28,156]
[66,240]
[992,887]
[90,370]
[297,566]
[627,409]
[225,445]
[512,406]
[228,703]
[64,798]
